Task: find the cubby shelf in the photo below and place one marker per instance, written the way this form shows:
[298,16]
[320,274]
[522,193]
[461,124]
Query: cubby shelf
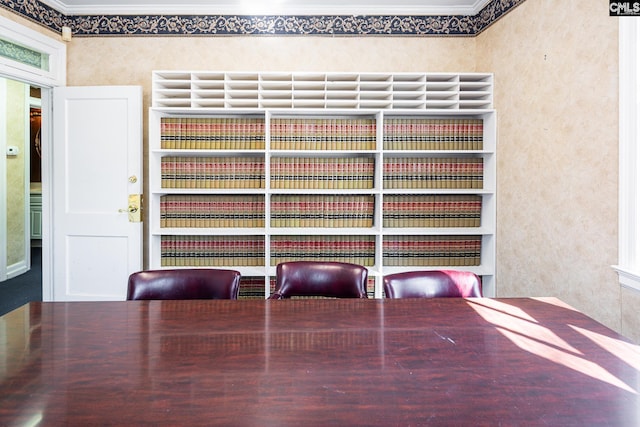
[419,91]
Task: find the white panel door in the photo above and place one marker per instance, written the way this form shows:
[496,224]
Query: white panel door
[97,164]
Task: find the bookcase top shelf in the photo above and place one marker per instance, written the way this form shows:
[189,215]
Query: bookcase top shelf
[380,91]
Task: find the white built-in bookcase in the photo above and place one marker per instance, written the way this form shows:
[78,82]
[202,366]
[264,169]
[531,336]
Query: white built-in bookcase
[396,171]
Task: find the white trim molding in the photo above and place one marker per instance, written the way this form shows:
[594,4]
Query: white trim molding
[3,181]
[55,73]
[259,7]
[628,279]
[628,267]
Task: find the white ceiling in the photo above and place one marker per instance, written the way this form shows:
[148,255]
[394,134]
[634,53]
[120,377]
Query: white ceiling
[268,7]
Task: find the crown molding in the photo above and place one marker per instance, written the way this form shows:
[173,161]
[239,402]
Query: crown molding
[260,7]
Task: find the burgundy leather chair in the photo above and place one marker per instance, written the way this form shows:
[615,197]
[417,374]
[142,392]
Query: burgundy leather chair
[432,284]
[191,283]
[320,279]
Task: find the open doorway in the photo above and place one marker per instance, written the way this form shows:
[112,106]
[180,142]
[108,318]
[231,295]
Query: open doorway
[21,134]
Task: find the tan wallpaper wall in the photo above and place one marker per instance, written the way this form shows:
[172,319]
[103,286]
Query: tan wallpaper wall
[131,60]
[630,313]
[16,135]
[25,22]
[555,66]
[556,74]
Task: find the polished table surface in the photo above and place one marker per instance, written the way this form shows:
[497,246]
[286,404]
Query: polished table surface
[445,361]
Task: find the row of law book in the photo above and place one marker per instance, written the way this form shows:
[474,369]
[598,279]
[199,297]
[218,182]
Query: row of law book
[244,251]
[328,211]
[211,211]
[324,133]
[212,172]
[211,251]
[433,172]
[322,172]
[251,287]
[296,133]
[352,249]
[423,251]
[427,211]
[432,134]
[212,133]
[322,211]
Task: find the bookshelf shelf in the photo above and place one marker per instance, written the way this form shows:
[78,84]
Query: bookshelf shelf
[392,171]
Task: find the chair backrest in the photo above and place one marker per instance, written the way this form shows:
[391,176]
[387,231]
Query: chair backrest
[190,283]
[432,284]
[321,279]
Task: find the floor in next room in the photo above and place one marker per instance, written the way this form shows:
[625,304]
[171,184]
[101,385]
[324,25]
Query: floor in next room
[24,288]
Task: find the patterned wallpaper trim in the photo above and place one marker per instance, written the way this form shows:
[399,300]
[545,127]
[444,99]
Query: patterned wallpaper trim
[242,25]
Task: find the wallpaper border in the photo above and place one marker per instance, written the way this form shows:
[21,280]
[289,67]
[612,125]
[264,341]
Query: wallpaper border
[281,25]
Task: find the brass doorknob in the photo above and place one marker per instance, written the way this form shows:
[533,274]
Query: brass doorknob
[134,208]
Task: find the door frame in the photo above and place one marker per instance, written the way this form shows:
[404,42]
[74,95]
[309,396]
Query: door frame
[54,75]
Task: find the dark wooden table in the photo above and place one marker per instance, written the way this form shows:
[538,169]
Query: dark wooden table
[509,362]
